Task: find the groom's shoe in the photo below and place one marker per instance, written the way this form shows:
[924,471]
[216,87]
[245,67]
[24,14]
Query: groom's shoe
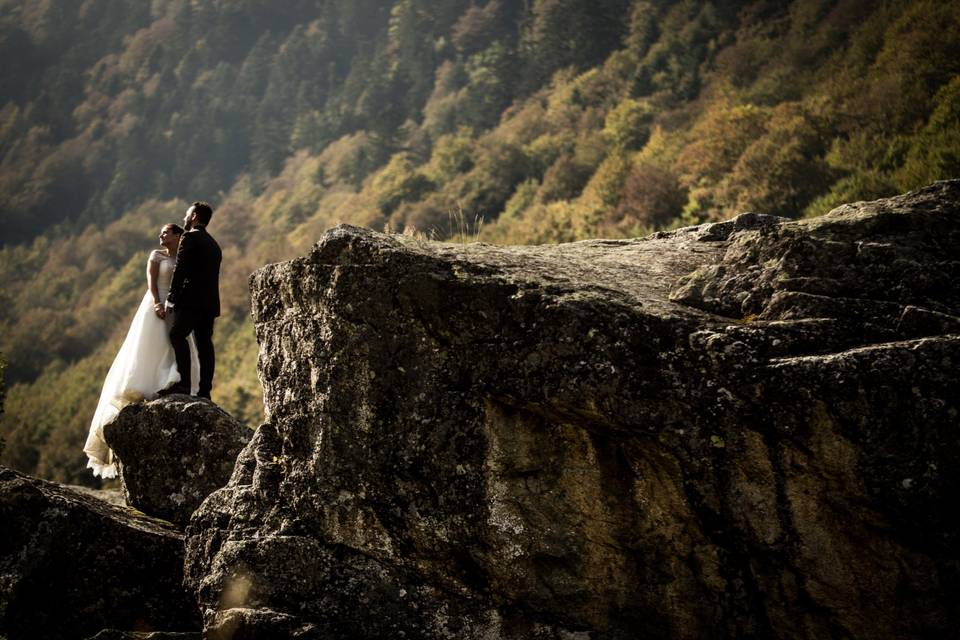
[174,389]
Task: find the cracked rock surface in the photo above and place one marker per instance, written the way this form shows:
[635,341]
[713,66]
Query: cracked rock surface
[173,452]
[742,429]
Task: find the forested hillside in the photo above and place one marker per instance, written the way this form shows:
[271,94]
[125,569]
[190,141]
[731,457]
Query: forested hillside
[508,122]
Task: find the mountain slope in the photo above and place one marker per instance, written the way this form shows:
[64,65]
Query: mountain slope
[552,121]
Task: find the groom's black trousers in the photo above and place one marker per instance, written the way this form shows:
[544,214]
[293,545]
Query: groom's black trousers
[185,322]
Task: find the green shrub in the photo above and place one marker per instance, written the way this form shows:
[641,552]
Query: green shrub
[934,153]
[784,170]
[627,126]
[563,180]
[606,184]
[399,182]
[452,155]
[350,159]
[852,188]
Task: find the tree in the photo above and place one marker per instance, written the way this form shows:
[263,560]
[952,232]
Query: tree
[782,171]
[860,185]
[627,125]
[399,182]
[572,33]
[671,66]
[651,198]
[719,138]
[477,28]
[485,189]
[452,154]
[564,180]
[934,153]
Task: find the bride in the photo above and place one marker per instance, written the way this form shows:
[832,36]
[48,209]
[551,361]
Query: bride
[145,363]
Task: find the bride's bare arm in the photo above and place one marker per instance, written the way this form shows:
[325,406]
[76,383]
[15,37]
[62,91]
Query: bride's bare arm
[153,272]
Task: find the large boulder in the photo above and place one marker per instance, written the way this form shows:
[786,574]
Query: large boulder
[71,565]
[173,452]
[741,429]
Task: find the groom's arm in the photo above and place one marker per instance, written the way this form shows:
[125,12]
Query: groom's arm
[186,257]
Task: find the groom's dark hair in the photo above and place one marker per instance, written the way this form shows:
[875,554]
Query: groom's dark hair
[203,210]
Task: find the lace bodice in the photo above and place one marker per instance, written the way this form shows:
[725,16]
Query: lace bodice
[165,277]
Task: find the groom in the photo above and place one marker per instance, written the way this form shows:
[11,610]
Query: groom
[194,299]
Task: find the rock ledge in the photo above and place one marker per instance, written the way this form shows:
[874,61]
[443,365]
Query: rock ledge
[745,429]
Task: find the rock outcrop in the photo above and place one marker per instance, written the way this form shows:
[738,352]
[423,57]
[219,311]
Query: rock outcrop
[71,565]
[173,452]
[742,429]
[114,634]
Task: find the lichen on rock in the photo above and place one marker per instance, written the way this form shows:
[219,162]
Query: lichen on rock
[173,452]
[704,433]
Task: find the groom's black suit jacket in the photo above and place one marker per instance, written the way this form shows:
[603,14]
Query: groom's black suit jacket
[196,278]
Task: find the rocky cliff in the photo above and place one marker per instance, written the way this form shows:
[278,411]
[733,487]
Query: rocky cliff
[72,564]
[75,562]
[743,429]
[173,452]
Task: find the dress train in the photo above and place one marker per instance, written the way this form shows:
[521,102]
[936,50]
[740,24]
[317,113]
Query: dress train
[144,365]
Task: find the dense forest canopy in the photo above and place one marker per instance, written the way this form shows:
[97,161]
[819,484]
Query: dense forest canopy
[510,122]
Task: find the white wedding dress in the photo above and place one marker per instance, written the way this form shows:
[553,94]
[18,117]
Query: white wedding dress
[144,365]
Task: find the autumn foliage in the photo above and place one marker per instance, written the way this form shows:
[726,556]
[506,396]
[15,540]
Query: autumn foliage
[542,121]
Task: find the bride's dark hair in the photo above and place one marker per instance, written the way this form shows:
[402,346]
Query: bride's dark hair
[177,229]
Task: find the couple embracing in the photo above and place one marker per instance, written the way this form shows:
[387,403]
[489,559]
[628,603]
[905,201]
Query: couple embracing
[169,346]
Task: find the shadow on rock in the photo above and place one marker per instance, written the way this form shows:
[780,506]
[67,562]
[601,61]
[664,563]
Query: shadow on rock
[71,565]
[173,452]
